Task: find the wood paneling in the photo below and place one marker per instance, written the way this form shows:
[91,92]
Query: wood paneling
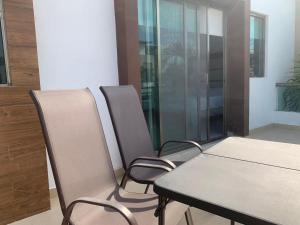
[26,77]
[23,168]
[21,42]
[23,161]
[237,92]
[128,43]
[15,95]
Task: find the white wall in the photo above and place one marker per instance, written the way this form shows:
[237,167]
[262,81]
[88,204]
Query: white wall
[280,50]
[76,43]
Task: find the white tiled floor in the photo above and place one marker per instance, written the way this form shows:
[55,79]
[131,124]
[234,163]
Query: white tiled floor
[279,133]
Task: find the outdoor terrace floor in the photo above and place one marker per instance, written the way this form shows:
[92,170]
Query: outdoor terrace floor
[274,132]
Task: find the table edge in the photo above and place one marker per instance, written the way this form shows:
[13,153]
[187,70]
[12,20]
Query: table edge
[210,207]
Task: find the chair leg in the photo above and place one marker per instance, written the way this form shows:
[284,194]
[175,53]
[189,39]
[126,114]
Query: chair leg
[147,188]
[124,181]
[188,217]
[232,222]
[65,222]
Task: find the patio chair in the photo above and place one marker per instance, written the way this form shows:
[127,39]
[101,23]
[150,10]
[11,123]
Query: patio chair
[87,188]
[133,136]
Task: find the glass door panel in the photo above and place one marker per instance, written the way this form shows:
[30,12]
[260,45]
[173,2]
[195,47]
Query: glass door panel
[192,73]
[183,71]
[216,74]
[172,80]
[196,72]
[203,73]
[147,20]
[216,89]
[181,51]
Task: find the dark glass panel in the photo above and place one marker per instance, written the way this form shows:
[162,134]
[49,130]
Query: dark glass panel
[216,89]
[3,73]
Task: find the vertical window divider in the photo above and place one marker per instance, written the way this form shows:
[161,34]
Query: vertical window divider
[159,62]
[184,5]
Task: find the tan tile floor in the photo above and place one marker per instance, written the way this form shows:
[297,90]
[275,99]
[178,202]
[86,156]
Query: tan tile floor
[54,216]
[279,133]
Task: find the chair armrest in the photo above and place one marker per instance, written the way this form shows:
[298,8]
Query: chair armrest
[103,203]
[142,165]
[146,165]
[194,143]
[155,159]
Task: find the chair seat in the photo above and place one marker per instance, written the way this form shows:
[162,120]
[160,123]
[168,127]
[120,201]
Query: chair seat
[142,206]
[146,175]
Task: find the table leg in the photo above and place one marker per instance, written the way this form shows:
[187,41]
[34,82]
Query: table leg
[188,217]
[162,207]
[147,188]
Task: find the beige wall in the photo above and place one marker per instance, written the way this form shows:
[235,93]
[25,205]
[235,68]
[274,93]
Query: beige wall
[297,40]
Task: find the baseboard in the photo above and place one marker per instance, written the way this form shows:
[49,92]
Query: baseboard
[53,193]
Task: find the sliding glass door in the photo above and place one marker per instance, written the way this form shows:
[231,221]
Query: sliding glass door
[181,69]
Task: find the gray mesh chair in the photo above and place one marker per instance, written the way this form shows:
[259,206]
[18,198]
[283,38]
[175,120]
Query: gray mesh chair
[88,191]
[133,136]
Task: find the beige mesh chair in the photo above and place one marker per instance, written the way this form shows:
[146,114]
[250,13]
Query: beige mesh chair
[88,191]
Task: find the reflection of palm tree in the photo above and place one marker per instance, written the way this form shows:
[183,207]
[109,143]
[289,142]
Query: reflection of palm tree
[172,56]
[291,94]
[175,56]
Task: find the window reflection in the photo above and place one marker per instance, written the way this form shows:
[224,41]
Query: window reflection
[257,46]
[3,71]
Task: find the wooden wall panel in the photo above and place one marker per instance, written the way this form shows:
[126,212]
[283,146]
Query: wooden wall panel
[14,95]
[237,85]
[128,43]
[23,161]
[23,168]
[21,42]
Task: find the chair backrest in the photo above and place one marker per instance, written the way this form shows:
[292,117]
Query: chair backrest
[75,143]
[129,123]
